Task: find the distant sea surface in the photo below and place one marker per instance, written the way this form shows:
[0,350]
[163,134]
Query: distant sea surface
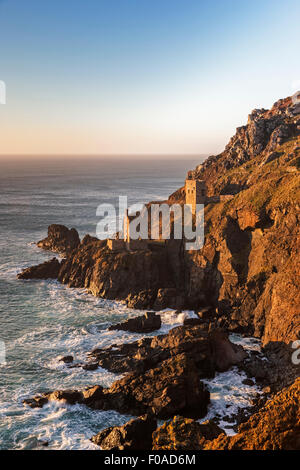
[43,320]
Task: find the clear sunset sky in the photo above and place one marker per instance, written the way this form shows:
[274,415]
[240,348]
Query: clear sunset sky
[141,76]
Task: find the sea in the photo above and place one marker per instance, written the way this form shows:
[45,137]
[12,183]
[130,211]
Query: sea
[40,321]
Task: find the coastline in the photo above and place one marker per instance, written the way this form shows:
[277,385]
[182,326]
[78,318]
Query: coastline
[232,284]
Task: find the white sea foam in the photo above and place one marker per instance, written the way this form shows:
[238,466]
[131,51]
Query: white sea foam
[170,319]
[228,394]
[75,323]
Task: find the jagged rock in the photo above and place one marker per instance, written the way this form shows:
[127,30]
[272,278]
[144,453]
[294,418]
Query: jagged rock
[210,351]
[143,300]
[295,109]
[225,354]
[143,324]
[90,366]
[166,298]
[131,276]
[47,270]
[134,435]
[206,313]
[192,321]
[275,368]
[249,382]
[184,434]
[60,239]
[66,359]
[271,157]
[36,402]
[67,396]
[276,426]
[171,388]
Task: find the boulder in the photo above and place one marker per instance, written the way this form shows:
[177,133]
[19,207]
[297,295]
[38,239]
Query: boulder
[166,298]
[143,324]
[184,434]
[66,359]
[225,354]
[47,270]
[134,435]
[60,239]
[192,321]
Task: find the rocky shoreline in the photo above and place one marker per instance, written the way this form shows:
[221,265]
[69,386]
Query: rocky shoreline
[245,280]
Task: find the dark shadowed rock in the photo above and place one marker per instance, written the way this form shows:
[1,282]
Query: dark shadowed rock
[147,353]
[67,396]
[134,435]
[248,382]
[90,366]
[166,298]
[144,324]
[192,321]
[142,300]
[184,434]
[171,388]
[66,359]
[60,239]
[225,354]
[47,270]
[209,351]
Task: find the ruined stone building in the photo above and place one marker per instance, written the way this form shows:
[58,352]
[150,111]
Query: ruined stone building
[195,191]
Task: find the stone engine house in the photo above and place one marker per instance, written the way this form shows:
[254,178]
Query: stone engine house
[195,191]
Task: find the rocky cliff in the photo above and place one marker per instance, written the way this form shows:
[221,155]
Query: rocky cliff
[246,279]
[248,269]
[275,426]
[250,260]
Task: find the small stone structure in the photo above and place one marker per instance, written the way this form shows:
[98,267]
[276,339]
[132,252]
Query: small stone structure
[128,244]
[115,245]
[126,226]
[195,191]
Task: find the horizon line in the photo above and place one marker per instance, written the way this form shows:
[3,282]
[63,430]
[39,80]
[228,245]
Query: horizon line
[104,155]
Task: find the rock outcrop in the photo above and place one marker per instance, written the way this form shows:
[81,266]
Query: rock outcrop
[251,251]
[60,239]
[143,324]
[173,387]
[133,276]
[134,435]
[185,434]
[66,359]
[275,427]
[210,351]
[225,354]
[47,270]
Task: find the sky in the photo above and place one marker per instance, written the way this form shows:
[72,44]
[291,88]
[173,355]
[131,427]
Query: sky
[139,77]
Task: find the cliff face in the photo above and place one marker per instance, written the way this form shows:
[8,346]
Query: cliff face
[275,427]
[250,260]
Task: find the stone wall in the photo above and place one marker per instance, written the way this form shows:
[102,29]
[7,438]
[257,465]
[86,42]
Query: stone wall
[116,245]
